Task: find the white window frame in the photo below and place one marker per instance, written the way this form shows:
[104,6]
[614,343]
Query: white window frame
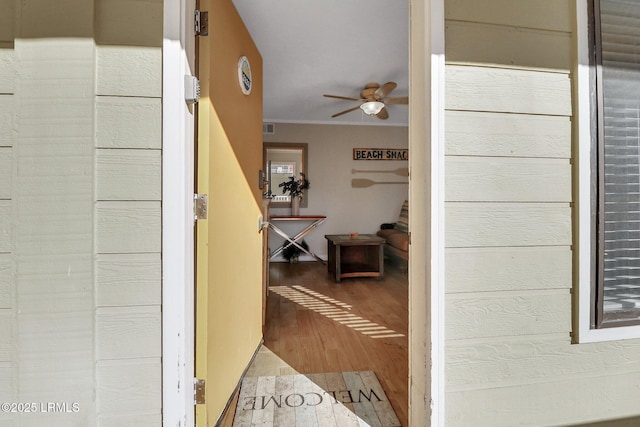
[582,107]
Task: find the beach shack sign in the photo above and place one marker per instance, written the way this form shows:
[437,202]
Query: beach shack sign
[380,154]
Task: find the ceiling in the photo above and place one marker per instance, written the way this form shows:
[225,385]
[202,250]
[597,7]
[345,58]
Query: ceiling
[315,47]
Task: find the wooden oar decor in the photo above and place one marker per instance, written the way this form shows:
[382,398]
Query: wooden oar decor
[399,171]
[364,183]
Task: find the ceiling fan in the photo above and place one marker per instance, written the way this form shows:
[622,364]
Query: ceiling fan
[373,99]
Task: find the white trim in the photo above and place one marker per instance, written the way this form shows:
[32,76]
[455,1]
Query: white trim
[436,310]
[177,221]
[426,214]
[583,130]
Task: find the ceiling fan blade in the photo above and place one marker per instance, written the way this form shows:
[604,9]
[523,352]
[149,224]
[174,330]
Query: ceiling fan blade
[368,94]
[385,89]
[346,111]
[344,97]
[398,100]
[383,114]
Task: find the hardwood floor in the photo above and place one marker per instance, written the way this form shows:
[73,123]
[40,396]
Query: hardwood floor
[315,325]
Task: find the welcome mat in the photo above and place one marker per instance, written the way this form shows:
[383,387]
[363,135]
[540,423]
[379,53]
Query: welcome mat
[332,399]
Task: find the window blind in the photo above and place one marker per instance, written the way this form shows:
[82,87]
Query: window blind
[620,211]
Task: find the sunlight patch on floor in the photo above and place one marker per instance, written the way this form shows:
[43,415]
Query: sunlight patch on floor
[334,310]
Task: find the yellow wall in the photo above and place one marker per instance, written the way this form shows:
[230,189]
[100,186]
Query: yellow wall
[229,298]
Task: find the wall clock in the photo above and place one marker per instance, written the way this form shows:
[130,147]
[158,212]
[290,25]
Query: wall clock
[244,75]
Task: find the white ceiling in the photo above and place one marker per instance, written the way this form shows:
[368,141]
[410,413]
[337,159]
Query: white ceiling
[313,47]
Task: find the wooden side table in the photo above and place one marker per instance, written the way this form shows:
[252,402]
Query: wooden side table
[360,256]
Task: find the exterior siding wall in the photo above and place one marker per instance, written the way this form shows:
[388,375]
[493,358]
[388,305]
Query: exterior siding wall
[128,162]
[509,260]
[80,209]
[7,265]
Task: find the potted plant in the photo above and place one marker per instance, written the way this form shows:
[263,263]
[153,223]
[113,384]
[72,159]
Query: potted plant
[295,188]
[291,252]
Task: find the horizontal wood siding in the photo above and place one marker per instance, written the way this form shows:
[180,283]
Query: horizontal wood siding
[504,314]
[8,338]
[561,402]
[128,332]
[507,90]
[130,392]
[141,24]
[509,259]
[6,172]
[128,227]
[128,174]
[501,179]
[473,42]
[128,279]
[492,269]
[507,224]
[128,212]
[474,133]
[5,226]
[6,281]
[7,69]
[52,205]
[134,71]
[551,15]
[116,129]
[6,391]
[534,359]
[80,209]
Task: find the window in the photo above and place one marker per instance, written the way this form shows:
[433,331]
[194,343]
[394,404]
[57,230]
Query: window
[615,163]
[282,161]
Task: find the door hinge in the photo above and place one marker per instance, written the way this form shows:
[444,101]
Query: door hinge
[198,391]
[201,23]
[199,206]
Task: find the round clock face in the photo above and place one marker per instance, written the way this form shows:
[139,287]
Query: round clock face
[244,75]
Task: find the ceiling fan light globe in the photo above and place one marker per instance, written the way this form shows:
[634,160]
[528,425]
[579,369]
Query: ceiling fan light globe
[372,107]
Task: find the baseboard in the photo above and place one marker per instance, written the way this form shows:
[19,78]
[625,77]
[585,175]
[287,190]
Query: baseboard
[236,390]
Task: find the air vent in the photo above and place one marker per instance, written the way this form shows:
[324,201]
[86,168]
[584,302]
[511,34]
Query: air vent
[268,128]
